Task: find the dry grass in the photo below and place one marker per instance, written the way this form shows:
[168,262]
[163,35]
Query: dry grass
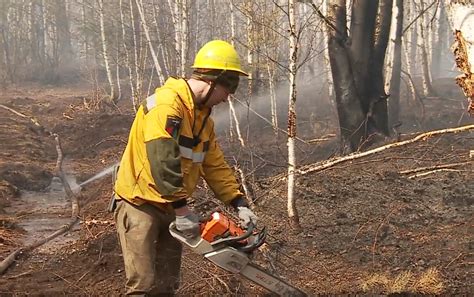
[428,282]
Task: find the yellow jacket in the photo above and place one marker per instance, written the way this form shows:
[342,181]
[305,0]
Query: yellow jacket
[161,162]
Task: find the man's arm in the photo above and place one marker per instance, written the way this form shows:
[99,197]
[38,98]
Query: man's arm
[220,177]
[161,134]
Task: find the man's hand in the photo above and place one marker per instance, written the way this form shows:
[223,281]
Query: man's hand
[187,222]
[246,216]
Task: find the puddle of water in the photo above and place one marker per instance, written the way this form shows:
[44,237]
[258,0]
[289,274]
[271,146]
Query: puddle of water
[42,213]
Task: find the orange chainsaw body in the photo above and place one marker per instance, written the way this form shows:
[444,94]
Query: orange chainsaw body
[219,226]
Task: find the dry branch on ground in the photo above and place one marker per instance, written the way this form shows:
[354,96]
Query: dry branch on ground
[329,163]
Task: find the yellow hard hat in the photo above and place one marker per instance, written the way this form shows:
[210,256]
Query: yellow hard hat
[218,54]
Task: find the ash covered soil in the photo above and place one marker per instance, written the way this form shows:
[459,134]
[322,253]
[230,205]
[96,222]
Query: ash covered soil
[369,226]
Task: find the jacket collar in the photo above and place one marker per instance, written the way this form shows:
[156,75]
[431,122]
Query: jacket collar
[180,86]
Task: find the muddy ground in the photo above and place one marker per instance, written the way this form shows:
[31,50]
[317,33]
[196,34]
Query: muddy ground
[367,227]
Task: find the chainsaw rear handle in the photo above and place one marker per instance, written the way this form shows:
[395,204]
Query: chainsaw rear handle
[234,239]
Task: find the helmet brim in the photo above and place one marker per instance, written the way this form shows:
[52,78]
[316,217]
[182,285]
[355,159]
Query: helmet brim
[239,71]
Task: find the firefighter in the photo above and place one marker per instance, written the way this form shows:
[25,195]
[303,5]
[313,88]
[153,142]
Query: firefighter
[172,144]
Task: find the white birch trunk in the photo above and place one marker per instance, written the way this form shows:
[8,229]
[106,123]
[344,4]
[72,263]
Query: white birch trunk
[434,38]
[249,56]
[31,27]
[292,211]
[165,57]
[174,9]
[326,58]
[117,66]
[138,84]
[127,59]
[231,125]
[150,82]
[422,46]
[232,36]
[184,36]
[158,70]
[393,74]
[46,38]
[461,18]
[273,102]
[439,41]
[410,85]
[104,50]
[411,39]
[236,120]
[232,115]
[85,38]
[389,57]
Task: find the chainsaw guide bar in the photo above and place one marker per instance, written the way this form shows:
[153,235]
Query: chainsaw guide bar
[230,247]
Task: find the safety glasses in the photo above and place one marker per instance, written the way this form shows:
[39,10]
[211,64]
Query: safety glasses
[229,81]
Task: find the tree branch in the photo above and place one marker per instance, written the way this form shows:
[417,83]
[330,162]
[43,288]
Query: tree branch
[417,17]
[328,22]
[329,163]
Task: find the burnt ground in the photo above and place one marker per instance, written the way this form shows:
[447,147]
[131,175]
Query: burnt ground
[367,227]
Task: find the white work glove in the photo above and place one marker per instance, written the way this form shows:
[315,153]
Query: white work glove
[246,216]
[187,222]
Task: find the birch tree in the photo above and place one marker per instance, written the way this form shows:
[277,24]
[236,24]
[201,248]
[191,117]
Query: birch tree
[149,41]
[127,58]
[461,17]
[293,59]
[422,46]
[326,56]
[439,40]
[175,13]
[232,115]
[105,52]
[394,67]
[184,37]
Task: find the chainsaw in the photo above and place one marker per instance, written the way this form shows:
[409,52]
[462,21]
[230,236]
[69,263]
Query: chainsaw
[230,247]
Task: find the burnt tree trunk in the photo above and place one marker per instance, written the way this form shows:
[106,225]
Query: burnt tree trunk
[377,113]
[357,68]
[349,109]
